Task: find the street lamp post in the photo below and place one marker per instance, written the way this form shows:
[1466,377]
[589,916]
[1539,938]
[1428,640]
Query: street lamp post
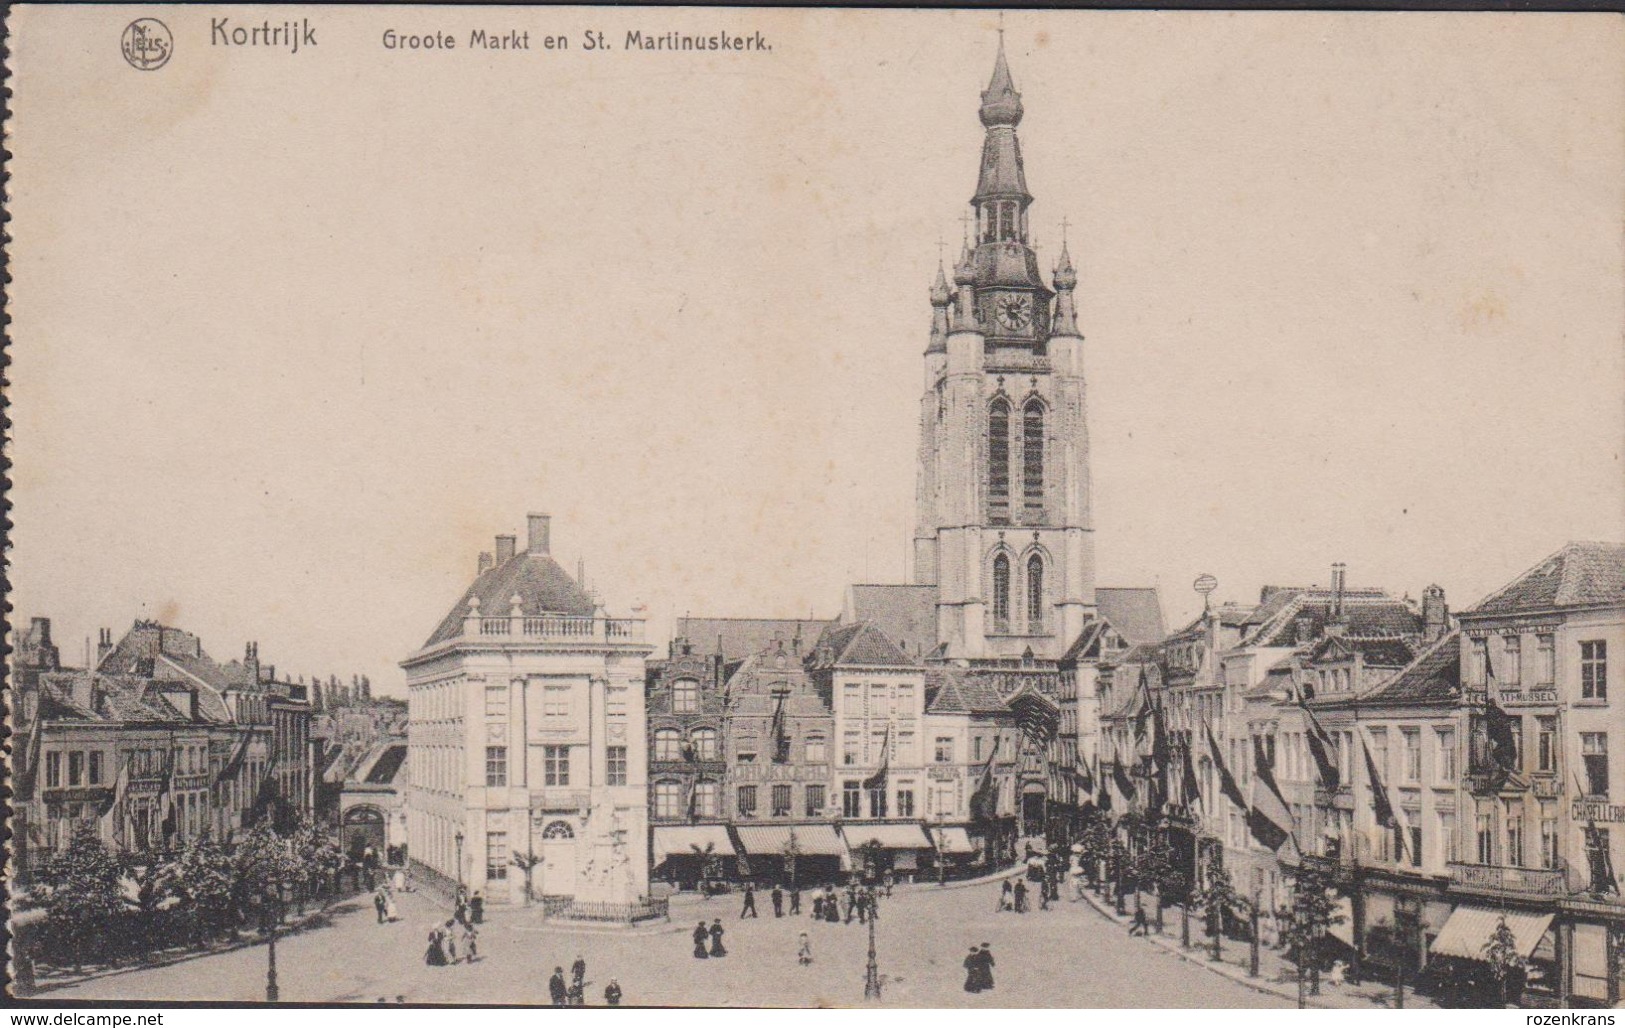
[1252,953]
[273,909]
[871,972]
[942,848]
[458,839]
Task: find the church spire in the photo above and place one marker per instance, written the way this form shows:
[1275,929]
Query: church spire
[940,298]
[1066,279]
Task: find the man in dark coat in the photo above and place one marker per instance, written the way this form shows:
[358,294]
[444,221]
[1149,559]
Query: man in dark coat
[1021,896]
[749,909]
[556,987]
[578,972]
[987,967]
[795,899]
[778,900]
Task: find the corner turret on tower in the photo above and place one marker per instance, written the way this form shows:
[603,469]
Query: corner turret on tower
[1066,279]
[940,298]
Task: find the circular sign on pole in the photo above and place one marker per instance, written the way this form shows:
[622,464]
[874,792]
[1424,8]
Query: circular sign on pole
[1205,584]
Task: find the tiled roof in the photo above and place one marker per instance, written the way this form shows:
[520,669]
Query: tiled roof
[543,587]
[210,704]
[1435,675]
[1366,612]
[860,644]
[1578,575]
[955,690]
[388,764]
[906,614]
[740,637]
[1136,613]
[1383,651]
[1087,644]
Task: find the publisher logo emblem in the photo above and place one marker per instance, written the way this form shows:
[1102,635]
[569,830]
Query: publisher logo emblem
[147,44]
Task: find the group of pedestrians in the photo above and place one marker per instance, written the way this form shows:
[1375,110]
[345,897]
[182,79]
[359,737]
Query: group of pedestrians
[383,902]
[979,969]
[575,993]
[444,939]
[708,940]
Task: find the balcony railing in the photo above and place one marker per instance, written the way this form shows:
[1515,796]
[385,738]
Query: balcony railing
[1528,881]
[560,628]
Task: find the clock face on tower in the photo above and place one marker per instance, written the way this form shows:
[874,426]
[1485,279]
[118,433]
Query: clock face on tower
[1015,313]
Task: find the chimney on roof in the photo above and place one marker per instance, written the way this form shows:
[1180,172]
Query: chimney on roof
[541,532]
[485,562]
[1338,571]
[505,549]
[1435,614]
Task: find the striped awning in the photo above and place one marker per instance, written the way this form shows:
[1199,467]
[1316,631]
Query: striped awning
[887,836]
[777,840]
[956,840]
[1469,930]
[684,840]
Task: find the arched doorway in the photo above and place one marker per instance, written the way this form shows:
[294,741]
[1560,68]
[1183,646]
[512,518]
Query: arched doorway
[363,827]
[1033,808]
[558,859]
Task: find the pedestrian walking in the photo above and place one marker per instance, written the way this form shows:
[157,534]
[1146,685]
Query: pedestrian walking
[986,961]
[717,949]
[1043,897]
[471,943]
[576,996]
[476,908]
[701,936]
[1006,897]
[804,951]
[851,903]
[818,907]
[861,901]
[612,993]
[435,956]
[1139,927]
[578,972]
[795,898]
[391,912]
[778,900]
[378,903]
[398,880]
[749,909]
[556,988]
[460,911]
[1020,895]
[973,971]
[451,941]
[832,907]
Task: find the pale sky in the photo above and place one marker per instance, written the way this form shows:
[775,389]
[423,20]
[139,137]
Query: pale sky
[296,335]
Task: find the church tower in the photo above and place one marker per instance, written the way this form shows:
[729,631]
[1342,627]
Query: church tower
[1004,529]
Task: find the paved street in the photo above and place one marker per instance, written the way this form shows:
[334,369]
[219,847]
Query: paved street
[1066,957]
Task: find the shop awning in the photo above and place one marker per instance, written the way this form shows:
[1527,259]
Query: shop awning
[1342,930]
[889,837]
[956,840]
[776,840]
[684,840]
[1469,930]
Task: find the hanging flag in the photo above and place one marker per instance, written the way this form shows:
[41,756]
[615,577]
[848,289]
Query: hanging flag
[265,795]
[1084,779]
[112,815]
[878,779]
[1191,788]
[1603,881]
[1120,778]
[693,799]
[1227,781]
[1380,807]
[984,799]
[166,796]
[1321,748]
[1503,736]
[781,735]
[28,775]
[1268,816]
[1142,717]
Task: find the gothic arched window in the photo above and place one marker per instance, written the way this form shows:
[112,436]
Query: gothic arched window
[1035,593]
[1001,593]
[1032,455]
[998,462]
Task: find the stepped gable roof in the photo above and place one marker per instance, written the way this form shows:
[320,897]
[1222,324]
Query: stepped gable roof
[861,645]
[907,614]
[1135,612]
[543,587]
[1578,575]
[1366,612]
[749,687]
[741,637]
[1434,676]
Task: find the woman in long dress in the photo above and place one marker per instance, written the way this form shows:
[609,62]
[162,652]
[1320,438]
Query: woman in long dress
[973,971]
[436,954]
[390,913]
[701,935]
[717,949]
[398,880]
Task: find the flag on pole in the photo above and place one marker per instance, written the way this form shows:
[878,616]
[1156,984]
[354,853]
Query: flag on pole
[1120,778]
[112,815]
[1227,781]
[1603,880]
[28,777]
[1142,717]
[1191,788]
